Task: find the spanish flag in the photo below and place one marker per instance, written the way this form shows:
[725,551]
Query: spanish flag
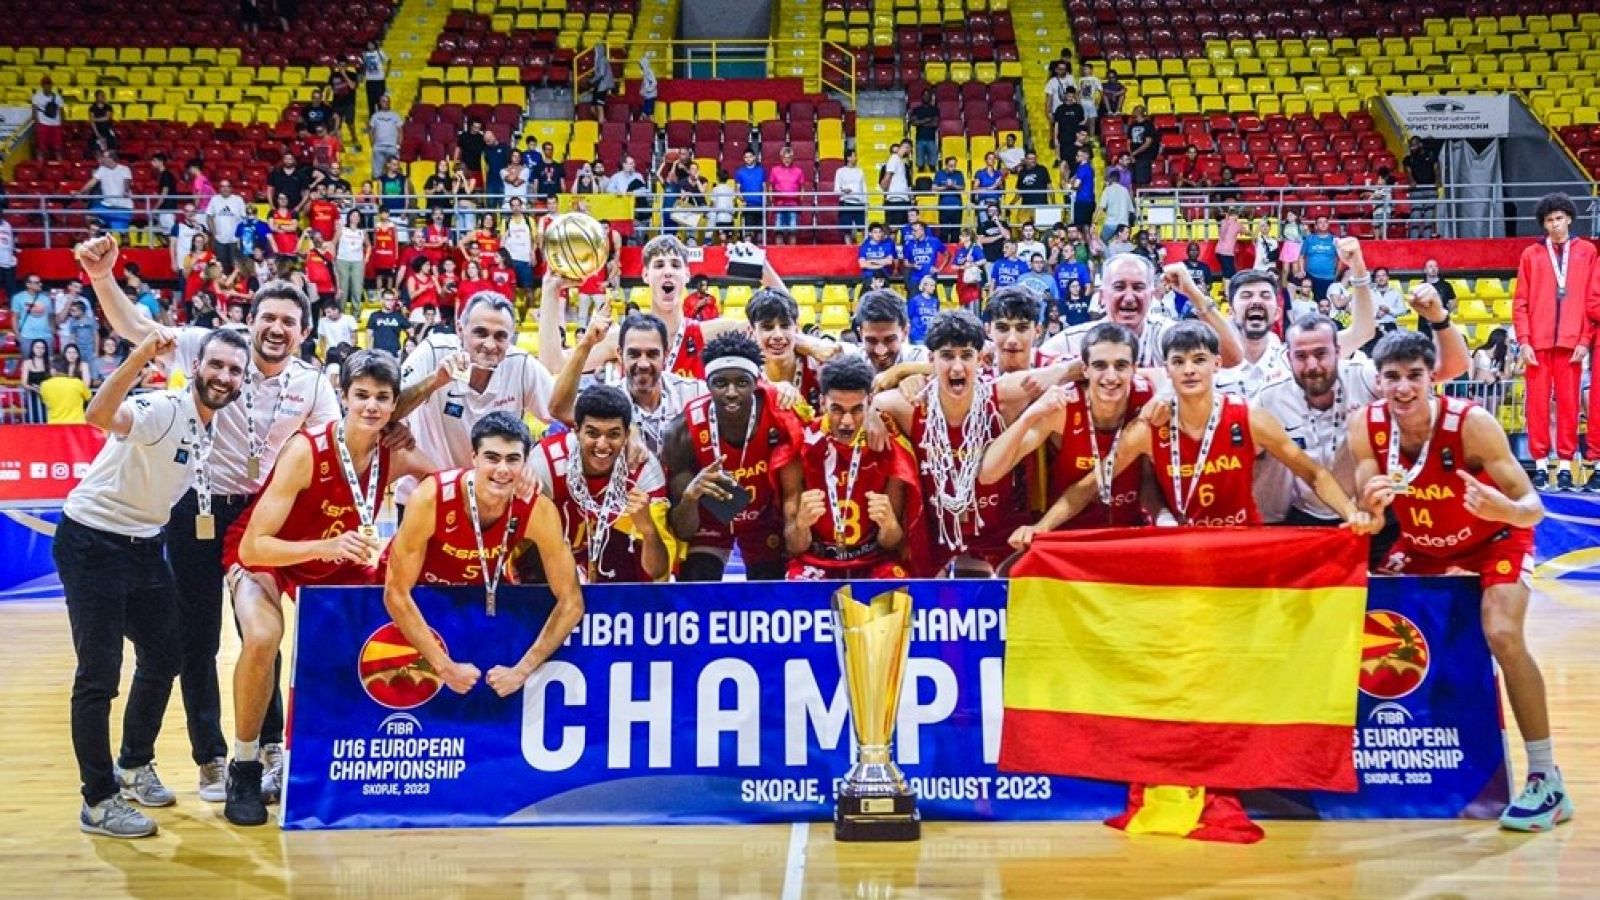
[1223,658]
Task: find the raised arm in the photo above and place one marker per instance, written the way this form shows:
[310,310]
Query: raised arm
[1038,422]
[564,394]
[1363,308]
[98,257]
[561,574]
[106,411]
[1454,357]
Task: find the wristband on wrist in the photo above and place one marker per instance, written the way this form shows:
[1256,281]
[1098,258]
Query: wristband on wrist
[1441,325]
[1363,281]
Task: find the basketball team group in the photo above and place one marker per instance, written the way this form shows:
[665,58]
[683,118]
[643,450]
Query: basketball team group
[681,449]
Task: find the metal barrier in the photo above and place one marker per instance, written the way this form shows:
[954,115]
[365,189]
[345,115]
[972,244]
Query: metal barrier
[1507,400]
[835,64]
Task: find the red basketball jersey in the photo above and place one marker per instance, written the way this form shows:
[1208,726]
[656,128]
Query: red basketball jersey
[858,535]
[326,508]
[1223,495]
[1076,458]
[1001,506]
[452,556]
[1433,514]
[622,559]
[774,443]
[689,362]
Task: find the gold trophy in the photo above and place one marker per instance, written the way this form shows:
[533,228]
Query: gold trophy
[873,639]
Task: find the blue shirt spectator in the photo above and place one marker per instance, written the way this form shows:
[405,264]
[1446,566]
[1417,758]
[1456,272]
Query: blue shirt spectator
[877,253]
[1074,305]
[1007,270]
[922,254]
[1320,252]
[949,184]
[1041,280]
[920,310]
[1070,271]
[988,183]
[751,179]
[1085,178]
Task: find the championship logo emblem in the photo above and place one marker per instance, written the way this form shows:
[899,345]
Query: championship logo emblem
[1394,656]
[393,673]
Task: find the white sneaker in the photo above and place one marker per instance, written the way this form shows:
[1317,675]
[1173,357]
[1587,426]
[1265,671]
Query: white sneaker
[272,772]
[143,786]
[214,780]
[113,817]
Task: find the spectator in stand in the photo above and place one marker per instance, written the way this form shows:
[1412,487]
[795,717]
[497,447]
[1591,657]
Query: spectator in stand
[1388,303]
[894,179]
[223,214]
[1200,273]
[1380,193]
[64,392]
[49,107]
[76,328]
[1112,93]
[1033,185]
[387,326]
[970,265]
[1191,171]
[114,205]
[1029,245]
[1145,144]
[1082,189]
[700,305]
[876,256]
[1227,190]
[291,180]
[108,359]
[785,182]
[751,179]
[469,146]
[585,181]
[1228,233]
[1068,272]
[922,305]
[1422,166]
[351,250]
[1066,125]
[384,129]
[518,243]
[35,369]
[1121,242]
[1321,257]
[514,181]
[393,187]
[951,186]
[1089,90]
[850,184]
[325,150]
[1447,291]
[1556,297]
[988,182]
[318,113]
[425,322]
[1115,209]
[285,227]
[1055,87]
[922,121]
[649,88]
[419,285]
[375,72]
[8,259]
[322,214]
[1041,280]
[1011,155]
[1148,245]
[923,254]
[335,328]
[1008,269]
[547,183]
[102,130]
[342,83]
[496,156]
[993,232]
[1292,235]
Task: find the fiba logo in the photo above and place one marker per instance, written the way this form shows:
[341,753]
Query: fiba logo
[394,674]
[1389,714]
[399,724]
[1394,656]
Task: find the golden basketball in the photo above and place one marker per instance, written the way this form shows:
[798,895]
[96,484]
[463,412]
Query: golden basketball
[575,246]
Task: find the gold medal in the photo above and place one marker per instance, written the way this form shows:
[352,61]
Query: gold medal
[1400,482]
[253,468]
[205,527]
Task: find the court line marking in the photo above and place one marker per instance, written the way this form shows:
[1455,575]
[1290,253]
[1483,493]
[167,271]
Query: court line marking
[794,873]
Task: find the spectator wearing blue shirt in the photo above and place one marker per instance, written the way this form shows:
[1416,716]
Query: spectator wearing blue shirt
[1082,187]
[950,185]
[1007,270]
[1075,303]
[1040,280]
[1320,251]
[877,253]
[1068,271]
[751,179]
[989,182]
[922,307]
[924,255]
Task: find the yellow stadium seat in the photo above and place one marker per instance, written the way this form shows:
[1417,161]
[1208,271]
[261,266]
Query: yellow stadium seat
[736,111]
[708,111]
[764,110]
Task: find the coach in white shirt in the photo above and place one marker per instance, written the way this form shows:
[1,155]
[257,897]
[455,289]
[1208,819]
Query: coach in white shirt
[281,395]
[108,550]
[498,377]
[1127,290]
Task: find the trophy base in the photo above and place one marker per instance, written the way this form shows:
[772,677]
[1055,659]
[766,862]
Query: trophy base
[893,818]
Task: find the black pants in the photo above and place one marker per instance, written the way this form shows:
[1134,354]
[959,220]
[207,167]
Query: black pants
[116,587]
[1229,268]
[1083,214]
[709,567]
[198,567]
[376,88]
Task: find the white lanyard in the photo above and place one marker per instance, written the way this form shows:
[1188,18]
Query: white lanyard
[490,582]
[749,429]
[1559,264]
[257,443]
[366,503]
[201,436]
[1402,479]
[1106,468]
[830,468]
[1179,495]
[1340,412]
[677,344]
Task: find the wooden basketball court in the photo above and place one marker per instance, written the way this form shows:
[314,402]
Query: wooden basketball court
[197,854]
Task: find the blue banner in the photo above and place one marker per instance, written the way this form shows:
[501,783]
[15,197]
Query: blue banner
[723,703]
[1567,542]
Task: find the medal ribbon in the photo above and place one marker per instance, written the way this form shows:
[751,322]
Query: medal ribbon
[830,469]
[1404,478]
[490,582]
[954,482]
[258,443]
[1179,495]
[1106,467]
[366,503]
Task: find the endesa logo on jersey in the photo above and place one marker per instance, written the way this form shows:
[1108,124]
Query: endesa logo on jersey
[1394,656]
[393,672]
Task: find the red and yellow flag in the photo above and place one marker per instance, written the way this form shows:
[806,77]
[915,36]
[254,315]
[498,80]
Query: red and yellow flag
[1223,658]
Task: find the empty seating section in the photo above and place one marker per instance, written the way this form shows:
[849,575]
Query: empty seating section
[518,42]
[898,42]
[152,31]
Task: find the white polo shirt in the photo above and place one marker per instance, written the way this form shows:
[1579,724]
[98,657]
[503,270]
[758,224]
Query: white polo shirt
[273,408]
[443,424]
[135,481]
[1068,344]
[1248,378]
[1323,434]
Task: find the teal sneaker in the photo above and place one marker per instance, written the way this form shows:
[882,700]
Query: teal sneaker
[1543,804]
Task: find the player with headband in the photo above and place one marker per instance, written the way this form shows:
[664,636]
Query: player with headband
[730,460]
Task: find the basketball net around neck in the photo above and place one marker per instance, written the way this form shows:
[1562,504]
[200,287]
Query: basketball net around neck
[954,471]
[601,514]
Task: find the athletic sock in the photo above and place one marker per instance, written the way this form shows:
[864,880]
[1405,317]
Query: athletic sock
[1542,464]
[1566,465]
[250,751]
[1541,756]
